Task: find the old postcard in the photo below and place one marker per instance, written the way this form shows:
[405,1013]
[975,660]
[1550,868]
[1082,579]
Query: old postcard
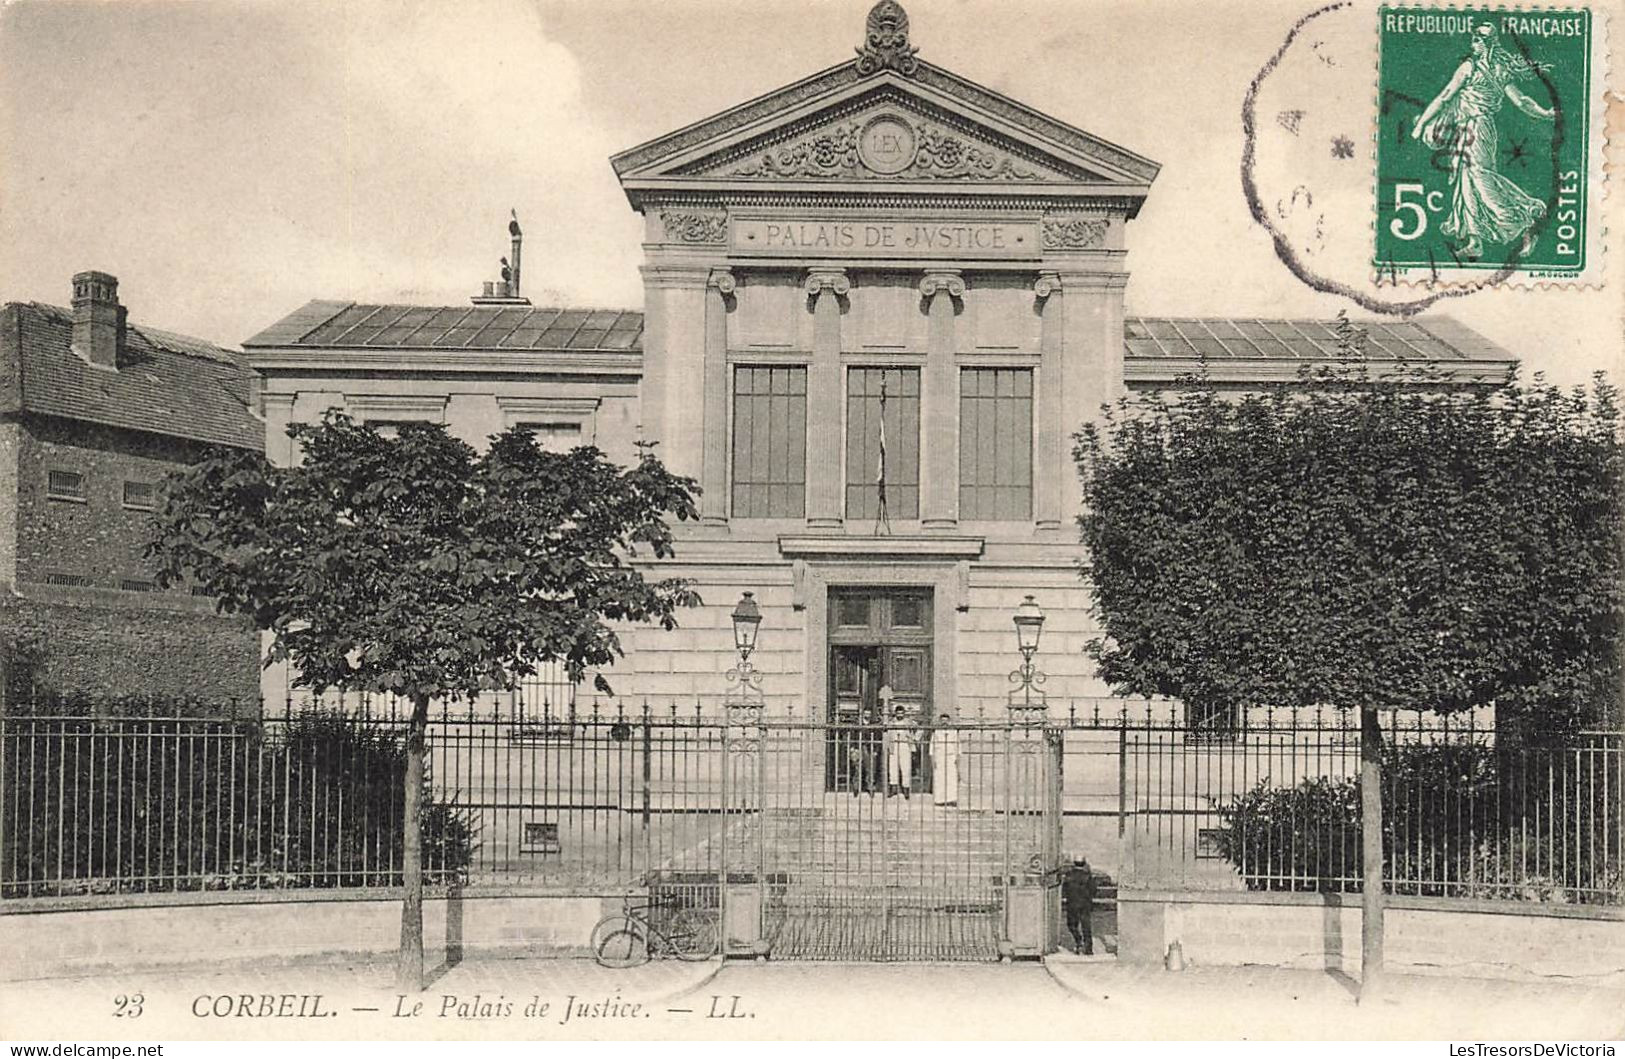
[547,520]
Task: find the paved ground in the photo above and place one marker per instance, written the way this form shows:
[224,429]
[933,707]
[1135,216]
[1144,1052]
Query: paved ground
[1066,999]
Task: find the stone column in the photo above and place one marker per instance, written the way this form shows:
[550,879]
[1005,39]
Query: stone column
[825,288]
[1092,373]
[939,403]
[672,397]
[1053,461]
[714,478]
[278,415]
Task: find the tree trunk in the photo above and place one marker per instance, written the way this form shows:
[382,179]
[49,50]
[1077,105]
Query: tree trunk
[1372,900]
[409,969]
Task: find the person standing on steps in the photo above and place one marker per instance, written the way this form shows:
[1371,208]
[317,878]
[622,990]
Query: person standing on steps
[901,737]
[945,762]
[1078,902]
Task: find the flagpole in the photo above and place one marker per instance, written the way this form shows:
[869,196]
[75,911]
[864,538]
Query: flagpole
[882,519]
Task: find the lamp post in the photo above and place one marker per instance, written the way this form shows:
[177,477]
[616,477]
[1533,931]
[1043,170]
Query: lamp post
[746,691]
[1027,695]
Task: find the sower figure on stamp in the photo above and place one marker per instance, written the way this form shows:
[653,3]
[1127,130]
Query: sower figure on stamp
[1078,901]
[1485,205]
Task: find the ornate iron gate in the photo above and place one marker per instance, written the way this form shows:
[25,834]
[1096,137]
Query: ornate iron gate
[963,866]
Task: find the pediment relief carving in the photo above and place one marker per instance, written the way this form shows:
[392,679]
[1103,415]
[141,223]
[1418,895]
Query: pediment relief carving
[888,143]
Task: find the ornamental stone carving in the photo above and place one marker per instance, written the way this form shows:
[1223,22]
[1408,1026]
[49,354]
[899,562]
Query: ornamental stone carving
[723,280]
[838,152]
[1046,284]
[1074,233]
[830,279]
[885,41]
[685,226]
[942,280]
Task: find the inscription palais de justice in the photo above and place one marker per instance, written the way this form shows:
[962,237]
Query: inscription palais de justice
[885,235]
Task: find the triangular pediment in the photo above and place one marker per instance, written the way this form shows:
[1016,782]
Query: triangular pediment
[888,134]
[857,128]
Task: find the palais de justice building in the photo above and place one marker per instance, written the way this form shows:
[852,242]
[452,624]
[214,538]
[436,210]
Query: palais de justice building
[882,249]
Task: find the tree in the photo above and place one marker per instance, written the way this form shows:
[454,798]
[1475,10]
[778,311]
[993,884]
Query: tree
[416,567]
[1363,543]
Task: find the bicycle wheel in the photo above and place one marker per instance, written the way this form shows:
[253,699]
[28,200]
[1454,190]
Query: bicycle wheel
[605,927]
[623,948]
[693,934]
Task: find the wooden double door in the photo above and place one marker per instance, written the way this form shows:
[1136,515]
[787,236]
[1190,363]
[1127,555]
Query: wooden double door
[880,675]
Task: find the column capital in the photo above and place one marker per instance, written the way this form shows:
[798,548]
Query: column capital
[722,279]
[1047,283]
[674,276]
[935,280]
[1092,280]
[831,279]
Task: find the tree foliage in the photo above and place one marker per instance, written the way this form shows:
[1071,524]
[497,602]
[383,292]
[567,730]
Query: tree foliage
[1362,542]
[416,566]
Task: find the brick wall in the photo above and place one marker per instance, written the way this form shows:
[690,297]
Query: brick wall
[99,538]
[109,633]
[98,649]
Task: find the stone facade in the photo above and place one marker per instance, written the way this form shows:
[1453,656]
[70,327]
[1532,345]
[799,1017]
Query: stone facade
[884,215]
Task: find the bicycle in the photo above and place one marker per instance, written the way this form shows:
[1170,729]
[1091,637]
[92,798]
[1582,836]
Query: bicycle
[631,939]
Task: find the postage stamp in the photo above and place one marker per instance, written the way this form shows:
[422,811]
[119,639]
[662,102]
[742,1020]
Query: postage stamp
[1486,145]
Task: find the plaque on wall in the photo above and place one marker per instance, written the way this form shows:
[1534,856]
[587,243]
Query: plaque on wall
[887,144]
[925,238]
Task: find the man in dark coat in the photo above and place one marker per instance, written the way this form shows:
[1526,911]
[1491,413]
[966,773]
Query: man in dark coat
[1077,901]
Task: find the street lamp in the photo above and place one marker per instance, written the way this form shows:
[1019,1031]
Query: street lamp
[746,691]
[747,619]
[1029,622]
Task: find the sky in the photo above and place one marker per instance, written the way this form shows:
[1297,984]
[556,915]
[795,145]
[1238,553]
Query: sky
[230,160]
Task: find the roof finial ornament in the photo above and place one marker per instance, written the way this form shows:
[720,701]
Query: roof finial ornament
[885,41]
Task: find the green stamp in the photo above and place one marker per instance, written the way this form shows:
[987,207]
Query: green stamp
[1483,143]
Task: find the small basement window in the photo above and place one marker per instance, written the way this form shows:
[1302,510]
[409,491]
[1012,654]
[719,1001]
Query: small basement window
[540,837]
[65,485]
[140,496]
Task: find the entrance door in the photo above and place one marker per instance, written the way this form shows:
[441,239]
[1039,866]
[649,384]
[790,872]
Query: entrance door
[880,672]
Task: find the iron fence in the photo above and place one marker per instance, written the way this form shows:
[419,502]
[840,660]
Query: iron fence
[796,813]
[1273,803]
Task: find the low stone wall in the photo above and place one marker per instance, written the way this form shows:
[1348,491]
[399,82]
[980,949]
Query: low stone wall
[1322,932]
[44,939]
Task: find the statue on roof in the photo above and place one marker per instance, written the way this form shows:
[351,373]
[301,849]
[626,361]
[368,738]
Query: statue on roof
[513,223]
[507,272]
[885,41]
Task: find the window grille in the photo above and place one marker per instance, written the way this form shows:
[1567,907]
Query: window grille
[543,703]
[65,485]
[140,496]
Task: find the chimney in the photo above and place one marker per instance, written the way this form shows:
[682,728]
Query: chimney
[518,238]
[505,291]
[98,319]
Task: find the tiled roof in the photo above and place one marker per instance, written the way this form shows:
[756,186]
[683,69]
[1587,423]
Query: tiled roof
[166,383]
[1225,338]
[329,324]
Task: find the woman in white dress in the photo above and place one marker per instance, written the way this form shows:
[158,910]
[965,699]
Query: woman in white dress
[1485,207]
[945,762]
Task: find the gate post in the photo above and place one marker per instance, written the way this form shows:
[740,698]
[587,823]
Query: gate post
[1006,947]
